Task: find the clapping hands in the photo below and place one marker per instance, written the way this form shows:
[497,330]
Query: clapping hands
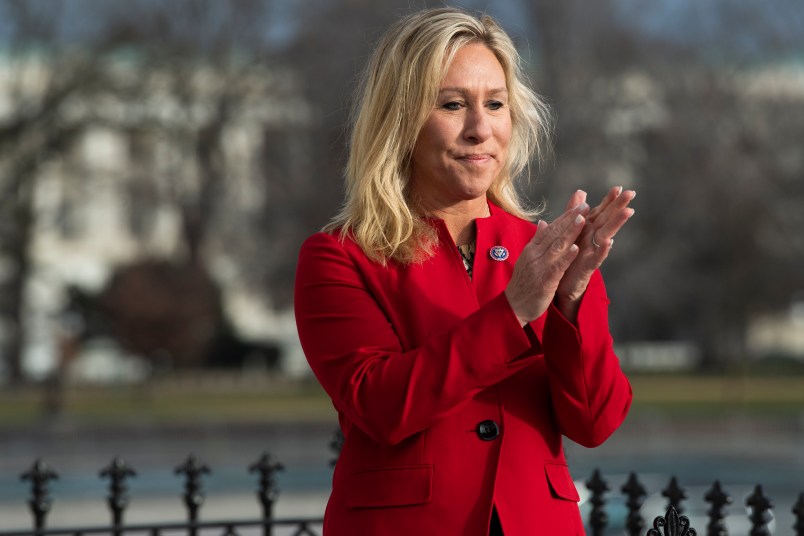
[562,256]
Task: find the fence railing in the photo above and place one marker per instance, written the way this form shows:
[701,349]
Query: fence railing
[192,470]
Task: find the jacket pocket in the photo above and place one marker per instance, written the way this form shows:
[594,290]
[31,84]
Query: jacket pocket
[561,484]
[390,486]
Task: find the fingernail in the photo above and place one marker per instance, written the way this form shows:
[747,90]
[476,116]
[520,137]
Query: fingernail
[578,219]
[573,248]
[581,207]
[619,190]
[631,212]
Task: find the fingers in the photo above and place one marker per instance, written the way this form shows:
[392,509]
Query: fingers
[612,217]
[612,194]
[543,262]
[576,199]
[595,243]
[561,256]
[563,232]
[601,247]
[597,238]
[553,247]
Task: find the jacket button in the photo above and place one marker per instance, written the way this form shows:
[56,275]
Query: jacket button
[488,430]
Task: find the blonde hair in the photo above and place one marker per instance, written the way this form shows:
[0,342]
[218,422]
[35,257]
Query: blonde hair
[398,90]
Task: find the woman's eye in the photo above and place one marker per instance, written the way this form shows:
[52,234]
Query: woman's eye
[495,105]
[452,106]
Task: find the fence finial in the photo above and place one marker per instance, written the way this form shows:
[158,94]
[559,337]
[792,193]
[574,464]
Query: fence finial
[636,494]
[798,510]
[268,491]
[117,472]
[671,525]
[598,519]
[675,494]
[760,512]
[192,469]
[39,474]
[719,499]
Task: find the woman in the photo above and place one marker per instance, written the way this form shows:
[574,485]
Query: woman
[457,340]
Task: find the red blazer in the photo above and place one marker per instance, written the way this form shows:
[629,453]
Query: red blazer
[415,357]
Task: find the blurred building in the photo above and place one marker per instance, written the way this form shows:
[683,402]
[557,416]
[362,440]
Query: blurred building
[779,335]
[156,160]
[182,158]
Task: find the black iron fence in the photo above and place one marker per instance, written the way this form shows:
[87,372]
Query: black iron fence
[192,471]
[757,504]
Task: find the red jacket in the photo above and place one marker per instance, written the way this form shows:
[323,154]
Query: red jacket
[415,357]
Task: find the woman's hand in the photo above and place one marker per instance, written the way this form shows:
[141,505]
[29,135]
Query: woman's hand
[544,261]
[594,243]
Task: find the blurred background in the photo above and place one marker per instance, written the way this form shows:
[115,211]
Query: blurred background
[161,163]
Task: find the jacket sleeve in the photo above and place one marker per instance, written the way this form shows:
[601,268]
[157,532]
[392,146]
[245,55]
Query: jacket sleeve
[590,393]
[354,352]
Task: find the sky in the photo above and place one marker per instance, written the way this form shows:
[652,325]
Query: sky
[743,28]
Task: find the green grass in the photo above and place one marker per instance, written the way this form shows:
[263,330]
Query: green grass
[217,398]
[175,400]
[712,394]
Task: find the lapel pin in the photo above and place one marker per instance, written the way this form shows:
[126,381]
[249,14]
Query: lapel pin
[498,253]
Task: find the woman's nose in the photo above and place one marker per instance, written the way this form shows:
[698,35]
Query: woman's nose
[477,126]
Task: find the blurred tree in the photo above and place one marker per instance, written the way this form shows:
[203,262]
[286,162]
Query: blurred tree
[714,241]
[195,93]
[239,150]
[41,77]
[618,88]
[238,125]
[163,310]
[331,48]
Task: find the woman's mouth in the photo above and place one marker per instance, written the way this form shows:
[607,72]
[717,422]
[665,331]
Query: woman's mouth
[475,158]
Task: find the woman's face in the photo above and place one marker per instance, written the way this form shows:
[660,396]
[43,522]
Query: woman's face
[463,145]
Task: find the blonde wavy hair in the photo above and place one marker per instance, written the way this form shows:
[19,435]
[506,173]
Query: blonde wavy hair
[398,90]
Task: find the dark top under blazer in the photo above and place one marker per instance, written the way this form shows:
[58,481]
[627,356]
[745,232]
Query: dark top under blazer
[416,356]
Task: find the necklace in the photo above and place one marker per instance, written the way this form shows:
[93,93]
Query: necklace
[467,252]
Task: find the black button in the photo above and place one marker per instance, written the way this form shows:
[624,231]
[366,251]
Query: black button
[488,430]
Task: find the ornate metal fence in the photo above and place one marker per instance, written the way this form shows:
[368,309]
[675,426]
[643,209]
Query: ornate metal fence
[192,470]
[672,524]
